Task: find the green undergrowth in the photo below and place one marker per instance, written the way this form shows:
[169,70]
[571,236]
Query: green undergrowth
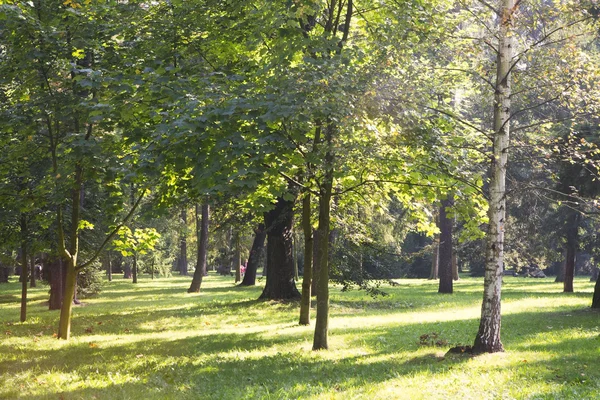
[153,340]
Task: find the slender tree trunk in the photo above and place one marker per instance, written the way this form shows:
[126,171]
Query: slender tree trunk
[257,248]
[237,258]
[308,256]
[108,266]
[445,252]
[135,269]
[24,268]
[488,336]
[183,261]
[571,251]
[320,341]
[280,264]
[595,273]
[295,244]
[435,258]
[202,234]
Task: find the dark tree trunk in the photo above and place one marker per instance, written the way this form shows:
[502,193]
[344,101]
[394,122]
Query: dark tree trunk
[108,266]
[445,252]
[315,267]
[32,271]
[257,248]
[135,269]
[23,268]
[280,262]
[237,257]
[58,276]
[202,234]
[596,298]
[595,273]
[3,274]
[320,339]
[308,256]
[127,271]
[182,261]
[571,250]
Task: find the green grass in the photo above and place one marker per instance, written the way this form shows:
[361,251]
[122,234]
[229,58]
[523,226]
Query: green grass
[155,341]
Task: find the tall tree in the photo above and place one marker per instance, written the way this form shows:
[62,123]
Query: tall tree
[202,223]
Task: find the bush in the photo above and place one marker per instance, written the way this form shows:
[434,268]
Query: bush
[89,282]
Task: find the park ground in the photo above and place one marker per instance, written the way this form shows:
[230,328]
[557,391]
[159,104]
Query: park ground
[153,340]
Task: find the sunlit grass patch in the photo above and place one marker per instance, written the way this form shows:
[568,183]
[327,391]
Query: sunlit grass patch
[154,340]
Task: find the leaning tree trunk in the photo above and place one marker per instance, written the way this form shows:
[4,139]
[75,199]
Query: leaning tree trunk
[488,336]
[445,249]
[308,255]
[202,233]
[254,258]
[280,282]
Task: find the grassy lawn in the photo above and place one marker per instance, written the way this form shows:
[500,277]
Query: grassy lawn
[155,341]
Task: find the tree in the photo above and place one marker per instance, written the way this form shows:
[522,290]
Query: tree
[202,224]
[445,248]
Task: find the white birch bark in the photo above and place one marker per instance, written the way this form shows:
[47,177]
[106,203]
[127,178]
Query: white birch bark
[488,337]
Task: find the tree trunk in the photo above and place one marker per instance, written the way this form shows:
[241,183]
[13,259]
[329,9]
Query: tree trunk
[280,264]
[435,258]
[58,276]
[322,317]
[488,336]
[596,298]
[308,256]
[571,250]
[595,273]
[202,234]
[237,257]
[315,267]
[445,249]
[257,247]
[108,266]
[455,275]
[24,268]
[134,269]
[183,262]
[295,246]
[32,271]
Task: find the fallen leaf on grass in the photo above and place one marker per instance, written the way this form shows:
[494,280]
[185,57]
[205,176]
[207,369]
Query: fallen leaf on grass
[93,345]
[139,356]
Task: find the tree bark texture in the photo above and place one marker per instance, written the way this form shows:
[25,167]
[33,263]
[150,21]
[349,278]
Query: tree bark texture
[445,249]
[202,233]
[258,244]
[308,256]
[280,282]
[488,336]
